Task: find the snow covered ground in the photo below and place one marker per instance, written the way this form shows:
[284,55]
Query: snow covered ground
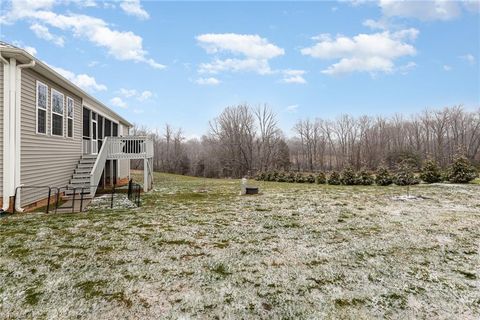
[197,249]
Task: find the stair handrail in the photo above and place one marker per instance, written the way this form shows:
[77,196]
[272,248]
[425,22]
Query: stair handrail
[98,166]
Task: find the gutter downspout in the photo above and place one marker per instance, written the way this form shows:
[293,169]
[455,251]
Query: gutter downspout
[18,115]
[6,133]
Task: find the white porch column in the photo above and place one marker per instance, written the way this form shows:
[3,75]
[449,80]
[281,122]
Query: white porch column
[111,172]
[145,174]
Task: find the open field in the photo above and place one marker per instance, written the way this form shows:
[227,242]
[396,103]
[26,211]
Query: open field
[197,249]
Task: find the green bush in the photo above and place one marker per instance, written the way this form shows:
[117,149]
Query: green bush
[260,176]
[348,176]
[405,176]
[461,170]
[281,177]
[383,177]
[299,178]
[290,177]
[320,179]
[364,178]
[334,178]
[430,172]
[310,178]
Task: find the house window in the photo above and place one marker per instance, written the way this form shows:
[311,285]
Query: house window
[100,127]
[42,93]
[108,128]
[70,103]
[115,130]
[86,123]
[57,113]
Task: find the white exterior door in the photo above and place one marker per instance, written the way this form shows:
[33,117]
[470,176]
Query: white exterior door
[94,134]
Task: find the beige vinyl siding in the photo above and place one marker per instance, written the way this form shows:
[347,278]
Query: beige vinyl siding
[123,168]
[46,160]
[1,129]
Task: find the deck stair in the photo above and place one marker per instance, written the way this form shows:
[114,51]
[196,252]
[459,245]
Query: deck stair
[81,176]
[89,170]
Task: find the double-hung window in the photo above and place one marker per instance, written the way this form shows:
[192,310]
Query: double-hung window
[42,94]
[70,117]
[57,113]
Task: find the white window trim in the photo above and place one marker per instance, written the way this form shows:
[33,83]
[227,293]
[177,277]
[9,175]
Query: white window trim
[52,113]
[72,117]
[37,107]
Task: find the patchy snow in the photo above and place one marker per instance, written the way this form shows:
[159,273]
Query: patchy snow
[296,251]
[120,201]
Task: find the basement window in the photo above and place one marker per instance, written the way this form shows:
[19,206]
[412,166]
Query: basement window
[42,93]
[57,113]
[70,103]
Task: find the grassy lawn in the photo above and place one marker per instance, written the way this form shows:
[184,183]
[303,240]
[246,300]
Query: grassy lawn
[198,249]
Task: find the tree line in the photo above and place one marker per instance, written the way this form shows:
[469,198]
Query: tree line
[245,140]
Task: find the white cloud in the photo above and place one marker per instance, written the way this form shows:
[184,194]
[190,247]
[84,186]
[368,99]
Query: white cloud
[364,52]
[255,52]
[93,63]
[134,8]
[376,24]
[118,102]
[294,76]
[84,81]
[469,58]
[138,111]
[128,93]
[252,46]
[423,10]
[123,45]
[292,108]
[145,95]
[406,68]
[31,50]
[447,67]
[235,65]
[43,33]
[132,93]
[208,81]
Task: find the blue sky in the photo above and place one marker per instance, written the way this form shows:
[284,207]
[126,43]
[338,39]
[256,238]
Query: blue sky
[183,62]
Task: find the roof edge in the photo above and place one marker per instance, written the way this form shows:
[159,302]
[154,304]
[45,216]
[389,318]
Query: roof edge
[56,77]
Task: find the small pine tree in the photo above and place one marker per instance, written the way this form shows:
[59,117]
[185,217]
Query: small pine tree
[461,171]
[310,178]
[321,179]
[364,178]
[334,178]
[405,175]
[348,176]
[274,176]
[281,177]
[267,176]
[260,176]
[430,172]
[383,177]
[299,178]
[291,177]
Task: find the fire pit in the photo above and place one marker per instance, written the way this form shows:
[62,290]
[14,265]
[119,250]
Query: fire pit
[251,190]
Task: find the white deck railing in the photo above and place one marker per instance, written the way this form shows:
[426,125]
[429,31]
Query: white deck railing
[118,148]
[130,147]
[97,170]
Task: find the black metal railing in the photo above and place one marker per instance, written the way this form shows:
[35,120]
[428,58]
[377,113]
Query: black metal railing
[134,190]
[78,195]
[75,192]
[39,188]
